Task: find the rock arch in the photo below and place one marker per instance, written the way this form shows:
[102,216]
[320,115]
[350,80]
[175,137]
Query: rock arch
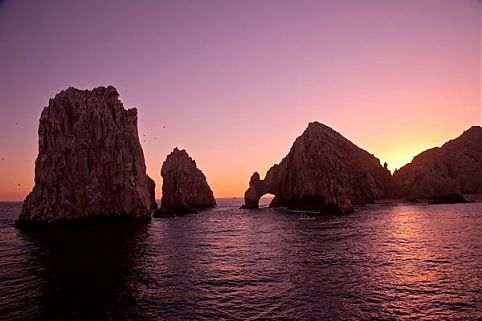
[323,171]
[257,188]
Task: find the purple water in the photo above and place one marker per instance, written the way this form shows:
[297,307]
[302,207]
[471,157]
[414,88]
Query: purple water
[403,262]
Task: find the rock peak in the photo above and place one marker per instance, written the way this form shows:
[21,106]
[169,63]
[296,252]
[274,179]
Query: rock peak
[473,132]
[180,152]
[180,156]
[185,188]
[322,171]
[475,128]
[98,91]
[317,126]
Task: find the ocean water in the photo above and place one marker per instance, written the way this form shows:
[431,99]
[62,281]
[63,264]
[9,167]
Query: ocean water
[384,262]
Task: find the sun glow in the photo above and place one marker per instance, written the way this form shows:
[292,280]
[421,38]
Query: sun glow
[399,155]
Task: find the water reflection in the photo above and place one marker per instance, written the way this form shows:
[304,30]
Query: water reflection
[382,262]
[85,270]
[425,248]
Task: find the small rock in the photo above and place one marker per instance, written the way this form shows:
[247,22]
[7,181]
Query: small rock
[184,188]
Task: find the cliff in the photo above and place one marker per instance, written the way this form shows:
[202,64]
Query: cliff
[90,162]
[453,168]
[323,171]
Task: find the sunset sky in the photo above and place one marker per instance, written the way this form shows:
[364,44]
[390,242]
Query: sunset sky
[235,82]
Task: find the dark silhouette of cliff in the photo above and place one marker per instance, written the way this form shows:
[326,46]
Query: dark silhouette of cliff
[454,168]
[323,171]
[90,162]
[184,187]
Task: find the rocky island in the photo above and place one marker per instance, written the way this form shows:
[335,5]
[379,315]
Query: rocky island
[90,162]
[184,188]
[444,174]
[323,171]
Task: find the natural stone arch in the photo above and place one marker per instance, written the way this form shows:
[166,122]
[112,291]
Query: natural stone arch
[257,189]
[323,171]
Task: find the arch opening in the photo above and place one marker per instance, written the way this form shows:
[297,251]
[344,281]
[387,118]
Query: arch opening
[265,200]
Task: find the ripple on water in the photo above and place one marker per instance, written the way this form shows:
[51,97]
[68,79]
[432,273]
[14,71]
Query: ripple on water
[382,262]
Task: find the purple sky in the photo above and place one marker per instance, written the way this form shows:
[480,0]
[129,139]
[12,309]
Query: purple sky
[235,82]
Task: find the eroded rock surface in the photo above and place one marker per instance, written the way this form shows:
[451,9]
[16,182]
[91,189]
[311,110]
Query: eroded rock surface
[442,172]
[184,187]
[90,162]
[323,171]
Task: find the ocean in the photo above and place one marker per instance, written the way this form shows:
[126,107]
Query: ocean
[383,262]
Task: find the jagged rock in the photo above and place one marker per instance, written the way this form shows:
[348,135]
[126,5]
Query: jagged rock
[442,172]
[323,171]
[255,191]
[90,162]
[184,187]
[151,187]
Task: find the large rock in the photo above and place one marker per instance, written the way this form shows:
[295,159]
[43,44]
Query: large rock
[323,171]
[440,172]
[90,162]
[184,186]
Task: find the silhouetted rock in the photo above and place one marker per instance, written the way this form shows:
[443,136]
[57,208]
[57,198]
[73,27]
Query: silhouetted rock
[90,162]
[441,172]
[151,186]
[184,186]
[255,191]
[323,171]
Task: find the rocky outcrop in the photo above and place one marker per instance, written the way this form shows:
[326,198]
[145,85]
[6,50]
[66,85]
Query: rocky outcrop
[184,186]
[323,171]
[442,172]
[90,162]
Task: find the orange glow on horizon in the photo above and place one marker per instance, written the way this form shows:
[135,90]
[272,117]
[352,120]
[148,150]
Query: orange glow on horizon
[398,157]
[237,82]
[233,180]
[229,182]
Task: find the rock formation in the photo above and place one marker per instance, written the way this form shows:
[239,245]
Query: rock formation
[441,173]
[90,162]
[184,187]
[323,171]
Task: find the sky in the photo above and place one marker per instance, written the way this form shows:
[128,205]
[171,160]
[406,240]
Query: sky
[235,82]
